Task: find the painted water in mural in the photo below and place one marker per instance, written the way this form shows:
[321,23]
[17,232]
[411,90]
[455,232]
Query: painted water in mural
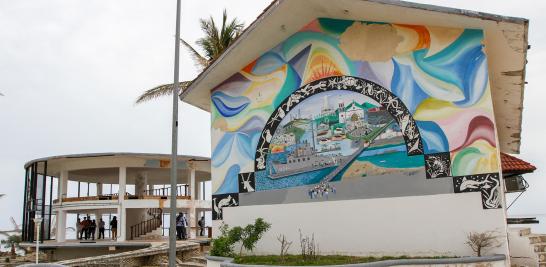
[436,76]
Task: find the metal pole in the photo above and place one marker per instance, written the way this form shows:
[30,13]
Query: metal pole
[174,180]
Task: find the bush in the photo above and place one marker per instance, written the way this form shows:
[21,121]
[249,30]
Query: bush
[248,236]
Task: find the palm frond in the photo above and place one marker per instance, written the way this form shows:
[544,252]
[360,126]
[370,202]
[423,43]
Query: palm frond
[200,61]
[214,42]
[159,91]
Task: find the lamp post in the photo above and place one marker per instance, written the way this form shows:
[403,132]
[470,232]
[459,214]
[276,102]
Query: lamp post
[38,223]
[174,155]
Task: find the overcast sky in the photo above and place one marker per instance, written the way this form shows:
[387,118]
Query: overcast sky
[70,71]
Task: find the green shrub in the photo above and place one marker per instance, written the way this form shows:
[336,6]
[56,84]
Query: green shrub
[248,236]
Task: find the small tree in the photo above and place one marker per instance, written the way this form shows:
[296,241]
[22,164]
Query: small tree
[248,236]
[252,233]
[12,242]
[480,242]
[285,245]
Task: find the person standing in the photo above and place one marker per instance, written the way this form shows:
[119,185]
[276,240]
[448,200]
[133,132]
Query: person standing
[85,228]
[101,228]
[114,227]
[179,226]
[184,225]
[92,229]
[79,228]
[201,224]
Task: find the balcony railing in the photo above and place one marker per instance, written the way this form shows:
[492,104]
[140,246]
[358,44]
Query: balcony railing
[181,192]
[162,193]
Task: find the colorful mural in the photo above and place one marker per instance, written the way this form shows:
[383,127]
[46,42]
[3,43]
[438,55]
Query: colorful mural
[345,100]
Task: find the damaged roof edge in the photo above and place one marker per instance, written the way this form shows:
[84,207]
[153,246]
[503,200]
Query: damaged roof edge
[454,11]
[273,6]
[522,91]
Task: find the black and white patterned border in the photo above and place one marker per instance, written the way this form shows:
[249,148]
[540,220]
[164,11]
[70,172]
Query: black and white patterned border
[247,182]
[488,184]
[438,165]
[384,97]
[221,201]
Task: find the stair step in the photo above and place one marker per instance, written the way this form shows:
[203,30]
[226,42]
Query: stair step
[199,259]
[190,264]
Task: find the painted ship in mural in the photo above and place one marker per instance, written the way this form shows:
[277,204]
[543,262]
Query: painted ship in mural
[303,159]
[328,137]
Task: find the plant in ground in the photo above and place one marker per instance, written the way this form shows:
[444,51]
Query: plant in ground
[481,241]
[222,246]
[12,242]
[252,233]
[309,249]
[285,245]
[248,236]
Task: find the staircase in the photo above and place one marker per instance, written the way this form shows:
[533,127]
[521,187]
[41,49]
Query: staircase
[526,249]
[148,229]
[196,261]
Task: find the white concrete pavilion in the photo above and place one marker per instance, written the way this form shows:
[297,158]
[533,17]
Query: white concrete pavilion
[90,185]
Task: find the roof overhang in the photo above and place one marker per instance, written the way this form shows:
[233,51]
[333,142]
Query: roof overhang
[103,167]
[505,41]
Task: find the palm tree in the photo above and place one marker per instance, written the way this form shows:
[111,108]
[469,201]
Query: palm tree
[214,43]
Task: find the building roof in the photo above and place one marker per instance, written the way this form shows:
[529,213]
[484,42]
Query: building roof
[505,42]
[513,165]
[117,154]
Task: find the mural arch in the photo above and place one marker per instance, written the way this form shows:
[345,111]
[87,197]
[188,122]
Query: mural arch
[394,106]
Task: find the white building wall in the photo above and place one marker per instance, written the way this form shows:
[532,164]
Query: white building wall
[419,225]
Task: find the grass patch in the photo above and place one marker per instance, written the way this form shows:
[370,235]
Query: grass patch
[297,260]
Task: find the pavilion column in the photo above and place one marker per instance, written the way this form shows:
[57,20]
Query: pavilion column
[98,215]
[99,189]
[121,199]
[141,183]
[62,186]
[192,212]
[60,236]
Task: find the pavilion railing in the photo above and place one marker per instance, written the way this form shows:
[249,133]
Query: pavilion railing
[182,191]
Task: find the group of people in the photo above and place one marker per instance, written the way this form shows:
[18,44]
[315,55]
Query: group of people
[322,190]
[182,223]
[86,228]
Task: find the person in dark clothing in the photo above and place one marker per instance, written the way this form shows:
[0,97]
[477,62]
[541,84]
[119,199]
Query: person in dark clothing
[85,228]
[179,226]
[101,228]
[88,233]
[92,229]
[114,227]
[201,224]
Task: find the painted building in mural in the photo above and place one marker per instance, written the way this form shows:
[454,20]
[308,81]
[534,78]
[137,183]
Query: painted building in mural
[377,130]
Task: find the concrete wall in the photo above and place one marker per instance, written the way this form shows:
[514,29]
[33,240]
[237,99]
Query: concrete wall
[419,226]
